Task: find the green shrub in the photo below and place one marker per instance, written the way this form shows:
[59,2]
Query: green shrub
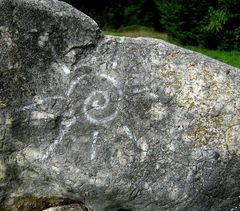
[212,24]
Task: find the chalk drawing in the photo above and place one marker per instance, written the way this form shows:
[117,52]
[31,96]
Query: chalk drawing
[92,102]
[99,107]
[66,126]
[39,102]
[59,62]
[139,90]
[142,89]
[98,101]
[144,147]
[129,133]
[95,135]
[114,65]
[113,81]
[73,84]
[140,143]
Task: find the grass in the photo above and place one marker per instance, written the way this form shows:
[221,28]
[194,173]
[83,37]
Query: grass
[228,57]
[136,31]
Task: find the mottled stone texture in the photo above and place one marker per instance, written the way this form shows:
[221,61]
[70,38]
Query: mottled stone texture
[113,122]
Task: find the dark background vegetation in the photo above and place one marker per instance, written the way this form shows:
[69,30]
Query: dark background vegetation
[213,24]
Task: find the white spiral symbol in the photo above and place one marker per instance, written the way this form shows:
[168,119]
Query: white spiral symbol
[100,106]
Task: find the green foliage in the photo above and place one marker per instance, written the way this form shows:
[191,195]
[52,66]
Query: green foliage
[230,57]
[215,20]
[139,12]
[182,19]
[107,13]
[222,24]
[212,24]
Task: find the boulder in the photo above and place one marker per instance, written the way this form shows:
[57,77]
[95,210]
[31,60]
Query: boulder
[115,123]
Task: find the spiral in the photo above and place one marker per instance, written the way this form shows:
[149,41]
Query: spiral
[100,105]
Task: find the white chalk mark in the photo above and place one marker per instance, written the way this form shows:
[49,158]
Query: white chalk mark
[93,105]
[102,120]
[140,90]
[96,104]
[39,102]
[42,40]
[73,84]
[144,148]
[153,95]
[67,125]
[54,98]
[141,144]
[41,115]
[129,133]
[114,65]
[65,69]
[114,82]
[60,63]
[28,107]
[95,135]
[50,149]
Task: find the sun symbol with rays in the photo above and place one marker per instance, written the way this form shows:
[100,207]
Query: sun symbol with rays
[97,95]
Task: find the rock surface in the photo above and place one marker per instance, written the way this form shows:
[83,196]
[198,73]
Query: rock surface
[71,207]
[117,123]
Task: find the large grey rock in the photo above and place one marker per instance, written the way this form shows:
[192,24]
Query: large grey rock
[114,122]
